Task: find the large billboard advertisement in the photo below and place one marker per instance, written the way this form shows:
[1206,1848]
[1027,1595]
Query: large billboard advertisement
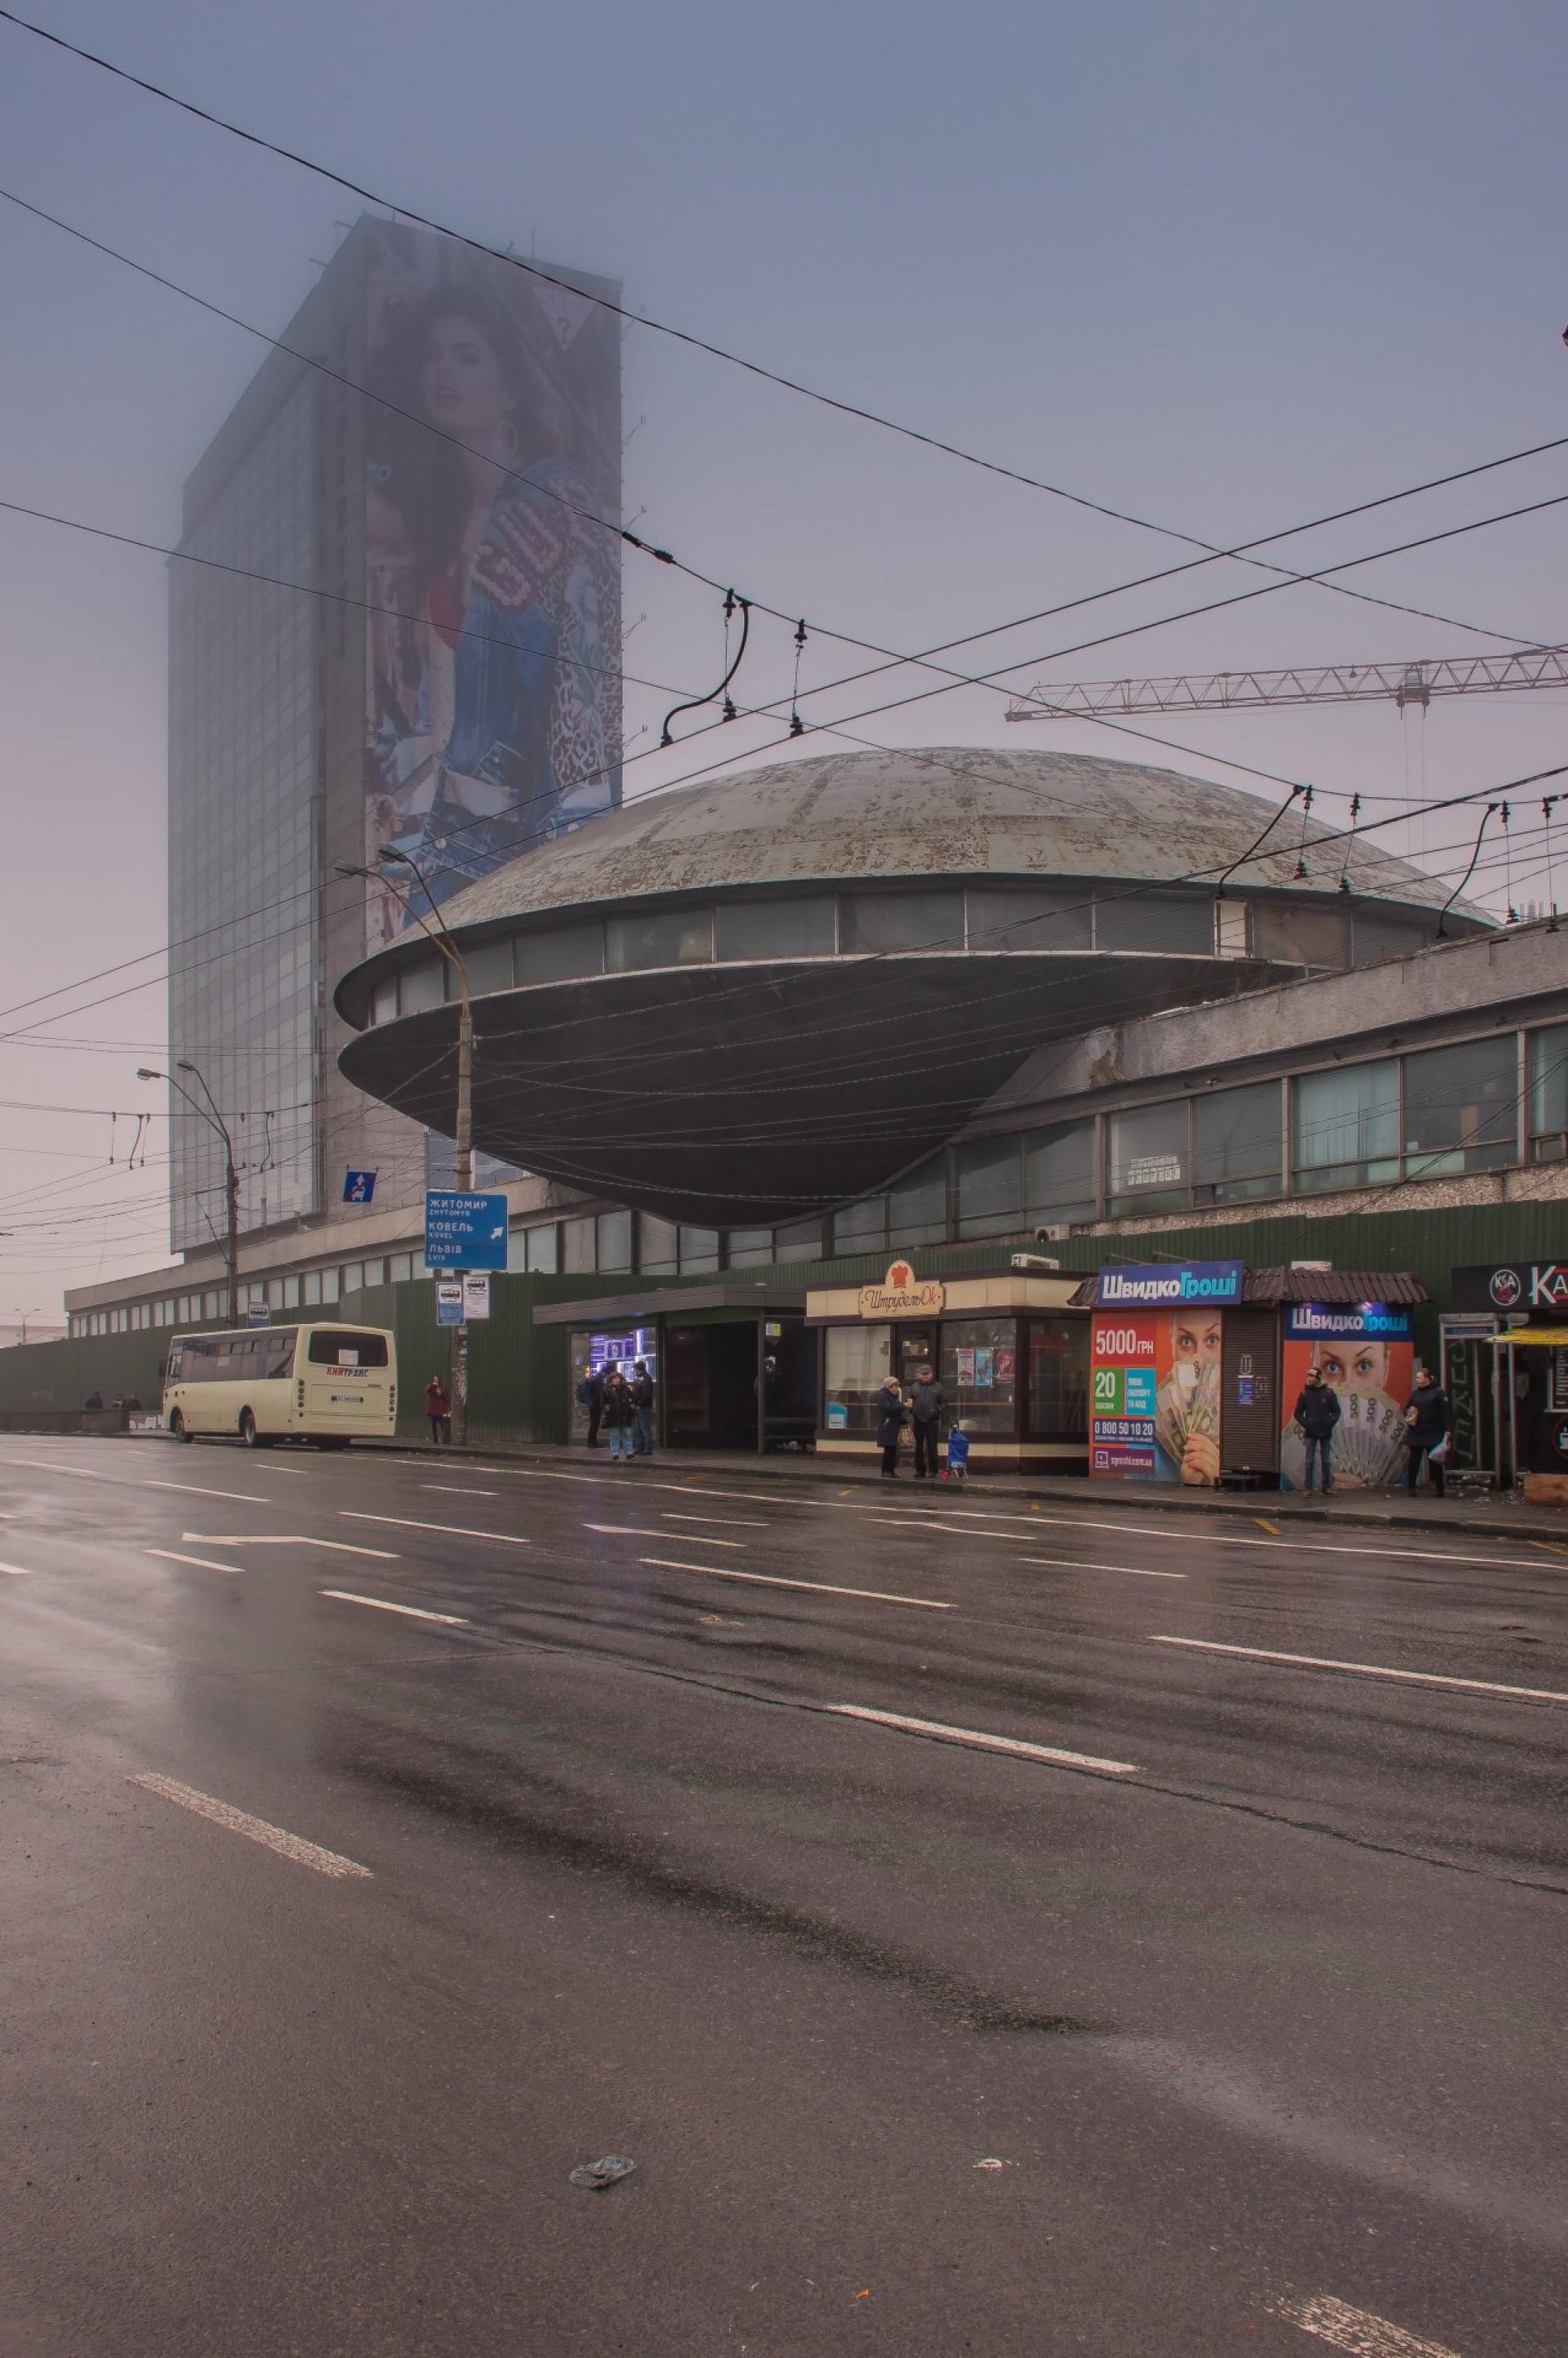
[493,555]
[1154,1378]
[1366,1354]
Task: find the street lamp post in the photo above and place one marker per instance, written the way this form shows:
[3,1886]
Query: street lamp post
[214,1121]
[440,934]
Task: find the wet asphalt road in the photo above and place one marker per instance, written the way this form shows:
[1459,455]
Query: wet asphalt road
[1263,2017]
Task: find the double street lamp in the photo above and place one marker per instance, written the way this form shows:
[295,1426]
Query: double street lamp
[214,1121]
[440,934]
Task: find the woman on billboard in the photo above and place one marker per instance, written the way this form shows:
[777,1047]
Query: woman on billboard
[515,586]
[1369,1440]
[1187,1408]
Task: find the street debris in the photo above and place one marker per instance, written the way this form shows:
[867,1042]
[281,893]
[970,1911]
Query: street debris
[595,2175]
[990,2162]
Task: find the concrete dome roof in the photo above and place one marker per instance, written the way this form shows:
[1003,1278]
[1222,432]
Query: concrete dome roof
[955,810]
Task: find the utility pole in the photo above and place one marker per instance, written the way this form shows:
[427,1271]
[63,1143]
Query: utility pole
[440,934]
[209,1114]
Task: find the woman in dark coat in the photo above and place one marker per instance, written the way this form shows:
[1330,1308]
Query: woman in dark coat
[890,1414]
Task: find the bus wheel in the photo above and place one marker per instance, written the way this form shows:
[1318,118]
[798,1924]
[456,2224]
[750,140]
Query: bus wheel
[177,1426]
[248,1434]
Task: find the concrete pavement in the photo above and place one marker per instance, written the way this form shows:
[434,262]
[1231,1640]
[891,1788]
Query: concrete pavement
[389,1835]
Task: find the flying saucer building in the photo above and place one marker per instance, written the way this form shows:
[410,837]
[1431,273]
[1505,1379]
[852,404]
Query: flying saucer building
[757,1000]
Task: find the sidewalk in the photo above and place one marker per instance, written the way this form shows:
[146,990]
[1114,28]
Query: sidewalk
[1489,1514]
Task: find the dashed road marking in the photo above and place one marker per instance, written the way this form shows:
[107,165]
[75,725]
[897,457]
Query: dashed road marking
[642,1531]
[776,1580]
[198,1490]
[731,1523]
[384,1604]
[286,1539]
[453,1531]
[978,1740]
[1072,1564]
[1366,1670]
[460,1490]
[256,1829]
[1357,2331]
[17,1571]
[202,1562]
[1265,1525]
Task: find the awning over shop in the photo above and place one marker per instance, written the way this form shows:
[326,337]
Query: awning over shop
[1557,1337]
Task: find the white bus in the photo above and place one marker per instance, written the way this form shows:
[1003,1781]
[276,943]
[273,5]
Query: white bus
[329,1385]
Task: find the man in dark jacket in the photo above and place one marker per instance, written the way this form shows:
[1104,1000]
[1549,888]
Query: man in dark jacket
[1317,1413]
[590,1396]
[643,1401]
[927,1401]
[1428,1421]
[890,1411]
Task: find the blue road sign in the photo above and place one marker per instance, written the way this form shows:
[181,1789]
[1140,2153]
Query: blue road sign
[359,1186]
[464,1231]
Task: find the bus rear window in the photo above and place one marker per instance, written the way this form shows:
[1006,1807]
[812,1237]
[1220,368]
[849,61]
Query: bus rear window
[332,1349]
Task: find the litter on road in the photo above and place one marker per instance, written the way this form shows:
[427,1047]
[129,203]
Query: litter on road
[597,2175]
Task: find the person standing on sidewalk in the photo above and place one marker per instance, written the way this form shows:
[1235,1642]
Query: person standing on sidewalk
[890,1416]
[438,1409]
[927,1401]
[643,1401]
[1317,1413]
[620,1415]
[590,1396]
[1428,1421]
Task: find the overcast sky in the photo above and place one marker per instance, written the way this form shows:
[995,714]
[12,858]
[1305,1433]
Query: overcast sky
[1221,267]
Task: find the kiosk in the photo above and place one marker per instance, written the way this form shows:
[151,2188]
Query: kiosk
[1505,1367]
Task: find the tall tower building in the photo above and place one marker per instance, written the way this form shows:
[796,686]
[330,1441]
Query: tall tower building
[403,631]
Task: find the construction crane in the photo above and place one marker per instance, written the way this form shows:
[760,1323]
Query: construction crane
[1406,683]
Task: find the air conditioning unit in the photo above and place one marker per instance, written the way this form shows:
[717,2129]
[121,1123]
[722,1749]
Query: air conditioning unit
[1033,1260]
[1056,1235]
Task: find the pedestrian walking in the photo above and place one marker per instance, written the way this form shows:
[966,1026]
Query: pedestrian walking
[643,1394]
[892,1413]
[1428,1421]
[958,1455]
[620,1414]
[1317,1413]
[438,1409]
[591,1394]
[927,1401]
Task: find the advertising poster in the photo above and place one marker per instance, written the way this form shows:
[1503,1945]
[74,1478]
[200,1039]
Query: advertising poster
[1366,1354]
[1154,1396]
[493,507]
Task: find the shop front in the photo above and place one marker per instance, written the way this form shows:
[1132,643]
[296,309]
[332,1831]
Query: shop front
[733,1366]
[1505,1367]
[1197,1368]
[1010,1355]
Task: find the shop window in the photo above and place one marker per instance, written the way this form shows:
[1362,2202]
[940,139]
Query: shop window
[564,954]
[489,967]
[799,1241]
[749,1247]
[979,1374]
[917,1206]
[1346,1127]
[699,1249]
[901,921]
[1018,918]
[1237,1144]
[774,929]
[659,937]
[990,1186]
[1059,1174]
[579,1240]
[1059,1378]
[422,987]
[658,1245]
[857,1361]
[861,1228]
[614,1241]
[1301,933]
[1376,935]
[1548,1094]
[543,1247]
[1461,1107]
[1138,921]
[1148,1160]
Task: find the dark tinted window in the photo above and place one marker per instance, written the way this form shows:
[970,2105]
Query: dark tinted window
[348,1347]
[1237,1144]
[1141,922]
[1021,918]
[901,921]
[1461,1107]
[766,929]
[662,937]
[560,955]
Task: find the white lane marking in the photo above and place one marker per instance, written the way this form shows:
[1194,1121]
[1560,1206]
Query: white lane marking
[1357,2331]
[978,1740]
[381,1605]
[1071,1563]
[454,1531]
[288,1539]
[202,1562]
[775,1580]
[258,1830]
[460,1490]
[58,1466]
[641,1532]
[17,1571]
[247,1497]
[681,1489]
[731,1523]
[1366,1670]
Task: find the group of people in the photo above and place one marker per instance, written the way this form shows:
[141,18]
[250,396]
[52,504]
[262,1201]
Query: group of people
[919,1409]
[1428,1420]
[622,1406]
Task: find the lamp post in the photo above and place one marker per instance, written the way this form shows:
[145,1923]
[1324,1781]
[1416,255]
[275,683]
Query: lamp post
[17,1312]
[209,1114]
[440,934]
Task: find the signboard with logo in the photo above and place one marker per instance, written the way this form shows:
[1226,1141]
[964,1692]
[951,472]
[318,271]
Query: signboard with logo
[902,1295]
[1365,1352]
[1168,1285]
[475,1294]
[464,1231]
[450,1302]
[1539,1286]
[1154,1378]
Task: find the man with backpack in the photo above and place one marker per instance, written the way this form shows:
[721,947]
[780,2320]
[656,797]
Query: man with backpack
[1317,1413]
